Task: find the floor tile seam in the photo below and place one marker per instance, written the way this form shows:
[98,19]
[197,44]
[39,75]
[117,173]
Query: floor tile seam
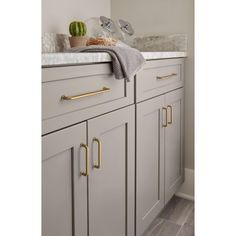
[156,225]
[167,220]
[187,217]
[171,221]
[188,207]
[179,230]
[189,225]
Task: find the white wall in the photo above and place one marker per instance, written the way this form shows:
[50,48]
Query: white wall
[166,17]
[57,14]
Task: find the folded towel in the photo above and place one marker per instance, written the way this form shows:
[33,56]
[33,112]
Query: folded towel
[126,61]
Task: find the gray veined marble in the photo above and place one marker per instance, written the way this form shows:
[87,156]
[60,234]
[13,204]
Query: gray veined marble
[53,59]
[152,47]
[52,43]
[175,42]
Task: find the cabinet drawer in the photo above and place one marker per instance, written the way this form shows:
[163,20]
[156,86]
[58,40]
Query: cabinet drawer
[159,77]
[73,94]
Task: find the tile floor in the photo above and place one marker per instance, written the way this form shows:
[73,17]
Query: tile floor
[177,219]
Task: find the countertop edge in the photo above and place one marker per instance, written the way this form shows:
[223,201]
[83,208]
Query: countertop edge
[72,59]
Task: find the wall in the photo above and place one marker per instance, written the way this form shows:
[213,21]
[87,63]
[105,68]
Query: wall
[56,15]
[166,17]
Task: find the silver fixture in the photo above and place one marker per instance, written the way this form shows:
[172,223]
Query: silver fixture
[107,24]
[126,27]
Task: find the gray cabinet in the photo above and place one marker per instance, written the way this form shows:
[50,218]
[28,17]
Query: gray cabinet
[150,162]
[111,179]
[159,77]
[73,94]
[62,185]
[174,171]
[159,153]
[88,177]
[96,180]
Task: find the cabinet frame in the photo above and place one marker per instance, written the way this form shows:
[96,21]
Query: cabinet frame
[134,99]
[173,98]
[149,162]
[55,148]
[81,198]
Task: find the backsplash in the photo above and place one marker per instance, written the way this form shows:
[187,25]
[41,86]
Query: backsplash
[53,43]
[175,42]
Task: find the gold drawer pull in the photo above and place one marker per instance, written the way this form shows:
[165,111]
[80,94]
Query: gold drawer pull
[166,76]
[103,90]
[98,165]
[86,173]
[165,109]
[171,114]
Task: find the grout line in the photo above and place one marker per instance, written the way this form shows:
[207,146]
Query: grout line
[181,226]
[171,221]
[179,230]
[187,217]
[153,227]
[185,220]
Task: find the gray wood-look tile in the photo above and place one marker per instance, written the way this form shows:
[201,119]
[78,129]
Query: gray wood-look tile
[177,210]
[186,230]
[190,219]
[177,219]
[162,227]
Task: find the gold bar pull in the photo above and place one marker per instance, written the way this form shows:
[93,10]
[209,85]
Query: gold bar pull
[83,95]
[165,109]
[98,165]
[86,173]
[171,114]
[166,76]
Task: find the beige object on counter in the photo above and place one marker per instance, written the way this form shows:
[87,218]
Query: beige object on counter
[102,41]
[78,41]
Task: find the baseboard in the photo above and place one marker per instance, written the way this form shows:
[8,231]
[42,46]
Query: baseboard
[185,196]
[187,189]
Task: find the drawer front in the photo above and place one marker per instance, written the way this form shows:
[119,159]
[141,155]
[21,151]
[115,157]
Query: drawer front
[159,77]
[81,96]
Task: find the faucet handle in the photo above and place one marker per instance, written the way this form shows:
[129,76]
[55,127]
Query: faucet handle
[126,27]
[107,24]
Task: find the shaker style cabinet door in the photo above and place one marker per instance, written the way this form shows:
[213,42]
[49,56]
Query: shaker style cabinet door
[149,162]
[111,180]
[63,159]
[174,175]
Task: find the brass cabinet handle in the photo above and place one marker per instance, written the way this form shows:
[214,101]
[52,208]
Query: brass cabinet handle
[166,76]
[86,173]
[98,165]
[171,114]
[103,90]
[165,109]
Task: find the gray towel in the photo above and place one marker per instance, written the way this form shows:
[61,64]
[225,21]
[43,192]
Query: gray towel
[126,61]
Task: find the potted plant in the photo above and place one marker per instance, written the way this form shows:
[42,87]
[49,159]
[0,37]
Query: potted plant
[78,31]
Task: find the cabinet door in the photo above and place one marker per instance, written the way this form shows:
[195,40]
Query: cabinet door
[174,143]
[111,184]
[149,163]
[62,159]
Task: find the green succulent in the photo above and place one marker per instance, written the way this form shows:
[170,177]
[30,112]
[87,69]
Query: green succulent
[77,28]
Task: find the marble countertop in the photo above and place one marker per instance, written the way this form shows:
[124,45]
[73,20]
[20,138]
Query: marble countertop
[61,59]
